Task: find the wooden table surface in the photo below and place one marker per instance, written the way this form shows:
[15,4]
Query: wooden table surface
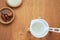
[31,9]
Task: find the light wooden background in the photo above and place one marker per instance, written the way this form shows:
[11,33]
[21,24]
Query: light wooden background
[31,9]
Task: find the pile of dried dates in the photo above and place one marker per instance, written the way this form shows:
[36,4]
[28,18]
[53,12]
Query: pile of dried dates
[6,15]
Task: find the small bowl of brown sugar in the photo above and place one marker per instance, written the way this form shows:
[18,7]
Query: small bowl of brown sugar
[6,15]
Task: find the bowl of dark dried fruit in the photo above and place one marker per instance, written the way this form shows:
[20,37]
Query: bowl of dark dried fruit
[7,15]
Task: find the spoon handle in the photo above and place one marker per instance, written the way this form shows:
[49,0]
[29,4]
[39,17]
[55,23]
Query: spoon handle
[57,30]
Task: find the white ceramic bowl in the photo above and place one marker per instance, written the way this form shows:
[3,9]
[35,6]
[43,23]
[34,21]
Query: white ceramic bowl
[43,31]
[14,3]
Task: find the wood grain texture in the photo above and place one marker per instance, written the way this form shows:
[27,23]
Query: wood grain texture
[31,9]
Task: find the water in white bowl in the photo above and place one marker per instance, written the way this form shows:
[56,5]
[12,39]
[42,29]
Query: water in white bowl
[38,27]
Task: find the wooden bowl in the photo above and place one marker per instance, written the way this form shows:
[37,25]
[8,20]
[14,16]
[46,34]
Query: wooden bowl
[1,20]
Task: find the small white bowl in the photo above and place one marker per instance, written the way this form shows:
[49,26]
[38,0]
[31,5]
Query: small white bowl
[14,3]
